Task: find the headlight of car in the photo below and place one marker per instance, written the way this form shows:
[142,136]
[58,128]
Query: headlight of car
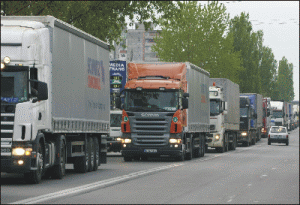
[244,134]
[174,141]
[217,137]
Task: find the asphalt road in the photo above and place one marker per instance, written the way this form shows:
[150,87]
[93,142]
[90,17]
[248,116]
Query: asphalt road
[260,174]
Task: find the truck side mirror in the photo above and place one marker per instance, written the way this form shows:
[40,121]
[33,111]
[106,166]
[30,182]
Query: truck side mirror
[185,103]
[186,95]
[41,90]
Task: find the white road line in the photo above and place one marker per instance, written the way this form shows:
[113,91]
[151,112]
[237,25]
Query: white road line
[91,186]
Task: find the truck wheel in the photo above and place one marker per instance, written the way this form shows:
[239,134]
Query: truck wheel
[34,177]
[287,143]
[221,149]
[202,148]
[233,144]
[269,142]
[91,151]
[253,141]
[127,159]
[246,144]
[180,158]
[60,170]
[81,164]
[96,153]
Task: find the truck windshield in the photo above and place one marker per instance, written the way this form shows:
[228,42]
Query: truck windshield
[151,100]
[115,120]
[277,114]
[215,107]
[243,112]
[14,86]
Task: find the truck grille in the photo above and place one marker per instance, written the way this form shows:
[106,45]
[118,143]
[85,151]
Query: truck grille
[7,124]
[151,131]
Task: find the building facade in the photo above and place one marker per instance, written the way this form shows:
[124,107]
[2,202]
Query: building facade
[138,45]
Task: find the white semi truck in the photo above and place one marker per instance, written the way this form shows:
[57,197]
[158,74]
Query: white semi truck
[280,113]
[54,97]
[224,98]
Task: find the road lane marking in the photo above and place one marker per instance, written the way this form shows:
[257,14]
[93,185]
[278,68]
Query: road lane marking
[92,186]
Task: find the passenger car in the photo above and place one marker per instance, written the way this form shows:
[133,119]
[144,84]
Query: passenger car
[278,134]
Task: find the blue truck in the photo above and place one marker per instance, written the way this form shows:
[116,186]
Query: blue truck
[251,115]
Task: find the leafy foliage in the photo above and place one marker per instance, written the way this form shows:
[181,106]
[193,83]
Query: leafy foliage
[197,35]
[103,19]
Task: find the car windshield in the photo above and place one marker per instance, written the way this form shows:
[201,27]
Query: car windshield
[151,100]
[278,130]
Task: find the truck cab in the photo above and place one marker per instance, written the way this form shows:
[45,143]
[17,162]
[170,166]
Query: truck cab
[217,111]
[246,112]
[114,143]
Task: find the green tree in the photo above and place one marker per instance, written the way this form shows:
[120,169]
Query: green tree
[285,80]
[249,44]
[267,68]
[198,35]
[102,19]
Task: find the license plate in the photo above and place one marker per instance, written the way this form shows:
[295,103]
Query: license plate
[150,150]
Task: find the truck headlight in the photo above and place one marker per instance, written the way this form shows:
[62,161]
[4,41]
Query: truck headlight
[126,141]
[119,139]
[2,65]
[21,151]
[217,137]
[174,141]
[6,60]
[244,134]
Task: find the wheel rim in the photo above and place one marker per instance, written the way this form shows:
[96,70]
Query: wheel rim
[40,162]
[62,161]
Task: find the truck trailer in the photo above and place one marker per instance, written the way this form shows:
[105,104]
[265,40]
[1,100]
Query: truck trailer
[255,117]
[165,111]
[224,114]
[267,113]
[54,97]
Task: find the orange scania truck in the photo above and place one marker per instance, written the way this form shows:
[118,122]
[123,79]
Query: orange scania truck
[165,111]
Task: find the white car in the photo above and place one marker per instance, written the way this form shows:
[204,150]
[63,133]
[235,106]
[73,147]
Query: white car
[278,134]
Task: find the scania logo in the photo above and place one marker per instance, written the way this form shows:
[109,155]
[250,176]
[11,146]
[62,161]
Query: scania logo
[149,115]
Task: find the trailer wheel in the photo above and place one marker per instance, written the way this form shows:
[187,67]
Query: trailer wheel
[91,151]
[34,177]
[96,154]
[81,164]
[60,170]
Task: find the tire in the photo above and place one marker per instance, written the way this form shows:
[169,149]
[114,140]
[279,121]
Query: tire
[269,142]
[180,158]
[60,170]
[233,144]
[81,164]
[227,143]
[253,141]
[96,154]
[34,177]
[287,143]
[221,149]
[91,151]
[127,159]
[202,148]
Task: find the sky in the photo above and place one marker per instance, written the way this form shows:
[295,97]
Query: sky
[279,21]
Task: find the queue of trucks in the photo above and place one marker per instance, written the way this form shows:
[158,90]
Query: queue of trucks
[55,105]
